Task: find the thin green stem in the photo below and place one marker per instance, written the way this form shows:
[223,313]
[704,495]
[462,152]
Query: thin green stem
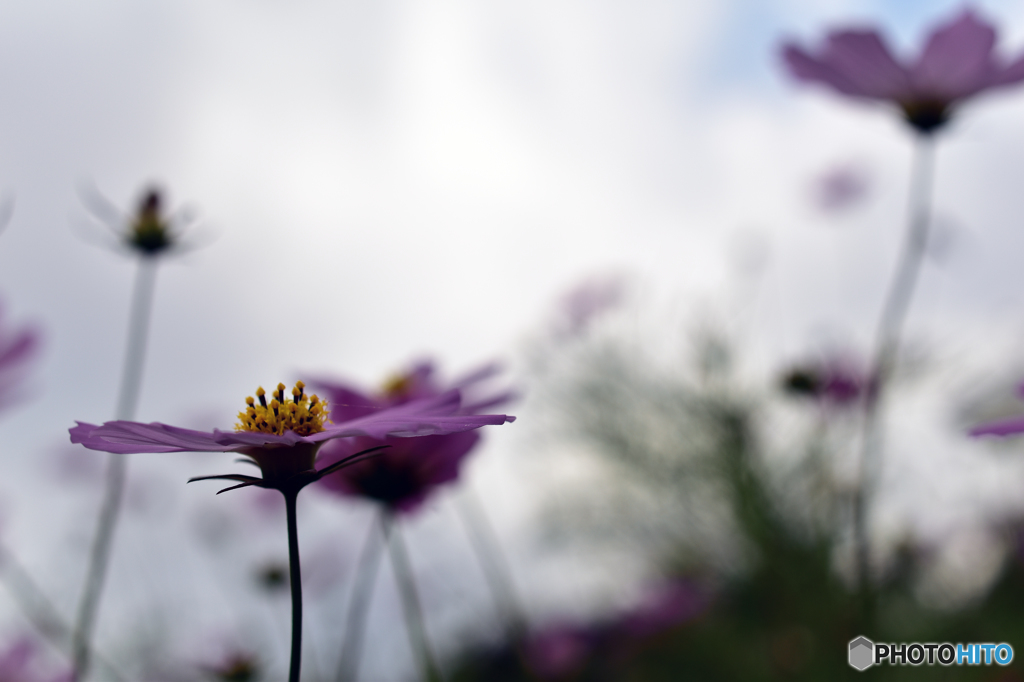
[493,562]
[295,576]
[131,380]
[887,342]
[138,336]
[411,604]
[359,601]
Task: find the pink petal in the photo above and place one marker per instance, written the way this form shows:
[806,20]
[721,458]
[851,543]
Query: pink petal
[957,61]
[20,348]
[124,437]
[343,402]
[1012,73]
[807,68]
[863,58]
[428,416]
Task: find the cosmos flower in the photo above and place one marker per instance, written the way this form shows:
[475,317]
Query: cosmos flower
[149,231]
[17,348]
[587,301]
[841,188]
[283,436]
[957,63]
[834,382]
[406,473]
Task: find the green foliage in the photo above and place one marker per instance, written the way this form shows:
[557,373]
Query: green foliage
[785,613]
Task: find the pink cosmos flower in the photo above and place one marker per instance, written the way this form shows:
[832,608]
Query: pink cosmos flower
[404,475]
[837,381]
[283,436]
[956,63]
[841,188]
[587,301]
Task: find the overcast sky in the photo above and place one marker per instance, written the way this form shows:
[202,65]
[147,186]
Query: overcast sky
[386,179]
[382,180]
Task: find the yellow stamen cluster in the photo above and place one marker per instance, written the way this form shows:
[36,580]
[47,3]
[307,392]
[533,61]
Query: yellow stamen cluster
[305,415]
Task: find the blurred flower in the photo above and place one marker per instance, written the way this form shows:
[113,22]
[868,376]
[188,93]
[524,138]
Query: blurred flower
[840,188]
[17,348]
[674,603]
[562,651]
[283,437]
[150,233]
[409,470]
[236,667]
[20,663]
[585,302]
[957,62]
[272,577]
[836,381]
[559,651]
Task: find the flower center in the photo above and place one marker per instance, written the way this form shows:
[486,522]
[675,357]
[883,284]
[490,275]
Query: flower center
[149,232]
[926,115]
[303,415]
[397,387]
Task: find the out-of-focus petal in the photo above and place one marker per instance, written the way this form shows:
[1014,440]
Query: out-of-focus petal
[864,59]
[583,304]
[17,348]
[1010,74]
[440,465]
[20,348]
[344,403]
[807,68]
[841,188]
[1005,427]
[405,474]
[957,61]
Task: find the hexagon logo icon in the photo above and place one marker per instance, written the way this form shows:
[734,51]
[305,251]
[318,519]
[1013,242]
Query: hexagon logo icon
[862,653]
